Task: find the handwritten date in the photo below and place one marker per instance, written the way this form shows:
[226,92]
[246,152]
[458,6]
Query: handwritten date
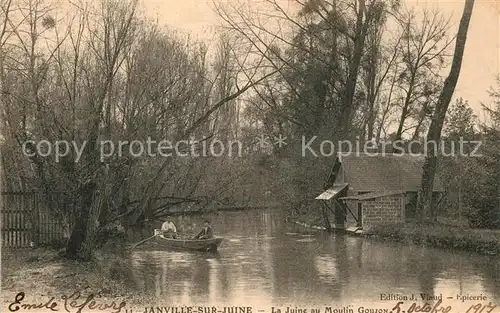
[481,308]
[438,307]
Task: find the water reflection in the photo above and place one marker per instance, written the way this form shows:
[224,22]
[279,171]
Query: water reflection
[269,262]
[489,270]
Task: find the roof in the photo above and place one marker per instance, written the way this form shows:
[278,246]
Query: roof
[331,192]
[384,172]
[373,195]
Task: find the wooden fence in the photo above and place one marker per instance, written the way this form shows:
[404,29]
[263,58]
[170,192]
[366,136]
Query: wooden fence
[28,219]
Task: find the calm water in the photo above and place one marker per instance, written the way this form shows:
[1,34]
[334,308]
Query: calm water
[265,261]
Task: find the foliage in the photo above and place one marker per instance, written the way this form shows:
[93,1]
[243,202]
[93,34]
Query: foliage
[460,121]
[483,177]
[472,180]
[109,74]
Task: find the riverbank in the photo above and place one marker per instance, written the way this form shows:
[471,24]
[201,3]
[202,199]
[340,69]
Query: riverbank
[43,273]
[222,208]
[440,235]
[482,241]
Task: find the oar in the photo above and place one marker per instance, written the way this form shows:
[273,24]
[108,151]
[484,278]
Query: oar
[141,242]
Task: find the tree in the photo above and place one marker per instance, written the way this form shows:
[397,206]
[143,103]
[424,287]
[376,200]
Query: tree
[425,198]
[423,48]
[483,198]
[110,74]
[320,49]
[460,120]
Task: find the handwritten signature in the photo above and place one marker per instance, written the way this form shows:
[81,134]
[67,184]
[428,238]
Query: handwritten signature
[439,308]
[71,303]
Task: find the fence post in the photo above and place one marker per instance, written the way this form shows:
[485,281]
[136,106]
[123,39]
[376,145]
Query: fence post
[35,221]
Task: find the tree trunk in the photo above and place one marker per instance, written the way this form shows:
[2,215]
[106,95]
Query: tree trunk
[350,88]
[92,194]
[84,236]
[418,129]
[425,205]
[89,239]
[371,98]
[387,108]
[74,247]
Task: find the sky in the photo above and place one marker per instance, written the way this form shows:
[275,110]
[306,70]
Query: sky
[481,61]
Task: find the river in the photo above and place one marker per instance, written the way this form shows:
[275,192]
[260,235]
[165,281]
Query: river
[268,262]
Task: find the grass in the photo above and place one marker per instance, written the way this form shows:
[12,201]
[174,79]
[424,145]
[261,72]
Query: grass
[482,241]
[42,272]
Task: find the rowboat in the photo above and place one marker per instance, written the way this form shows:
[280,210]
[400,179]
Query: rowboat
[188,244]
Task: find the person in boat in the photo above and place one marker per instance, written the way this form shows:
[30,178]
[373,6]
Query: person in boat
[168,229]
[206,232]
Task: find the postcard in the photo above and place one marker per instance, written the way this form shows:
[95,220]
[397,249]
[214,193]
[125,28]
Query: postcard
[261,156]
